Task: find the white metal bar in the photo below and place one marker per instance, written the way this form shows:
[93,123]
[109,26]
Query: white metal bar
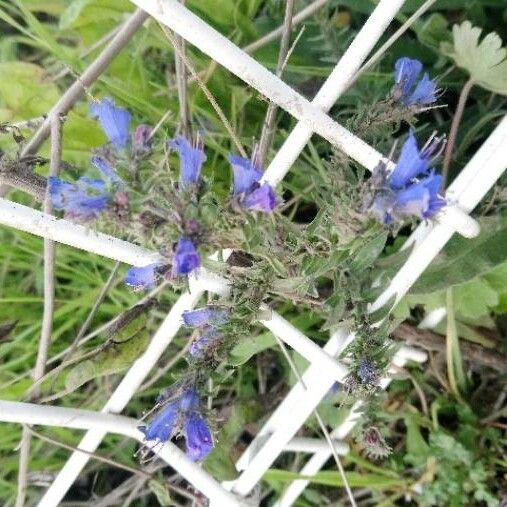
[313,445]
[319,459]
[30,413]
[47,226]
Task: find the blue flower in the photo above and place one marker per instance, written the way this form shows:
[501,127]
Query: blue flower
[163,425]
[186,257]
[208,315]
[107,171]
[421,198]
[261,199]
[189,401]
[142,278]
[246,174]
[114,121]
[406,74]
[84,200]
[252,195]
[191,160]
[411,163]
[198,435]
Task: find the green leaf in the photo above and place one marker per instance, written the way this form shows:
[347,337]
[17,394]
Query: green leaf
[370,249]
[465,259]
[161,492]
[434,31]
[114,357]
[475,299]
[71,13]
[485,61]
[329,478]
[249,347]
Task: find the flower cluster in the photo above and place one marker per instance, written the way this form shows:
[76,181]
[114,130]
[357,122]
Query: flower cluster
[412,188]
[247,190]
[183,414]
[206,320]
[87,198]
[408,88]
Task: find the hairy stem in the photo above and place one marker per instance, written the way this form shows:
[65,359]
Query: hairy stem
[458,115]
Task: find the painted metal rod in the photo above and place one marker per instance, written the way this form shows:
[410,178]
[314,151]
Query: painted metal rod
[313,445]
[30,413]
[47,226]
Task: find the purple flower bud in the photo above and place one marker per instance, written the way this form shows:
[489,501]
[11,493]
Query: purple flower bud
[208,315]
[162,426]
[191,160]
[261,199]
[245,174]
[84,201]
[186,258]
[142,278]
[142,139]
[107,171]
[406,73]
[199,439]
[114,121]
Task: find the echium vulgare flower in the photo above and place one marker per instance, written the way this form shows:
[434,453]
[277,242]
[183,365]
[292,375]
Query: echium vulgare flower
[191,160]
[144,277]
[115,121]
[411,188]
[206,320]
[410,90]
[186,257]
[182,414]
[247,187]
[87,198]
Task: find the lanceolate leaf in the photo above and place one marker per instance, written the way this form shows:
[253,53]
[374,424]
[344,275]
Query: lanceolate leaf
[485,60]
[465,259]
[115,356]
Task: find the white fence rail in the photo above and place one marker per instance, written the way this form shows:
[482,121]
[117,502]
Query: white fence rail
[278,433]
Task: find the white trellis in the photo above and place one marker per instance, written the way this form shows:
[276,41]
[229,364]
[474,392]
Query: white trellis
[278,433]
